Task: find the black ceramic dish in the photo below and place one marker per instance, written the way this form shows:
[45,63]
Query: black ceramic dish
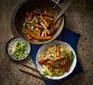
[28,48]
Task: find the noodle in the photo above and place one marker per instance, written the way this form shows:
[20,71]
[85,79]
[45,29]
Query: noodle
[56,65]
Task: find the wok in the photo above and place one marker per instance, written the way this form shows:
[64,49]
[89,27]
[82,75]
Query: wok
[28,5]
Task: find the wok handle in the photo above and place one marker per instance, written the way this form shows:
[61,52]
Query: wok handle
[58,2]
[61,1]
[65,5]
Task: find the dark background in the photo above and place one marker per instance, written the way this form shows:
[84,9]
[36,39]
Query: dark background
[79,18]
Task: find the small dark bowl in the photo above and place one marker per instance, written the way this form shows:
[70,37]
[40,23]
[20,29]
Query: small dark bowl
[10,42]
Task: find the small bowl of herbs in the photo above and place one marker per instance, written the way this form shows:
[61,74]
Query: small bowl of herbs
[18,49]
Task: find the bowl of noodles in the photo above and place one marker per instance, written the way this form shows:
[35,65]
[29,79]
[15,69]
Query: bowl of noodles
[56,60]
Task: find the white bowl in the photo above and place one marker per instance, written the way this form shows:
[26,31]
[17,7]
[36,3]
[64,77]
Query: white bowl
[42,48]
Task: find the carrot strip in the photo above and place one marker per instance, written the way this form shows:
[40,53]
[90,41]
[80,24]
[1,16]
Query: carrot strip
[44,21]
[29,37]
[39,31]
[48,18]
[36,36]
[32,35]
[48,37]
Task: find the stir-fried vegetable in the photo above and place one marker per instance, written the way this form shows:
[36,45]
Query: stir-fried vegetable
[71,56]
[47,70]
[56,60]
[37,24]
[18,49]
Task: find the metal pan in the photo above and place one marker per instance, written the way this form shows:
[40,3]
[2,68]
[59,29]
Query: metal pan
[28,5]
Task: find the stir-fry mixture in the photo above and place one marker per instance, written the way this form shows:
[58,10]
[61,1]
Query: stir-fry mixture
[55,60]
[36,25]
[18,49]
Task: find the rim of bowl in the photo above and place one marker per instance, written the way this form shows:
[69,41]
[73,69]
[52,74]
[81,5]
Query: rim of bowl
[60,77]
[7,45]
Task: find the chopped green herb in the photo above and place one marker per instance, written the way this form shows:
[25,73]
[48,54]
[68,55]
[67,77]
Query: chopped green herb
[27,25]
[24,24]
[19,50]
[57,64]
[71,57]
[45,73]
[32,20]
[63,53]
[56,75]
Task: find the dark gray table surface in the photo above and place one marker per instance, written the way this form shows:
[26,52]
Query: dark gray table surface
[78,18]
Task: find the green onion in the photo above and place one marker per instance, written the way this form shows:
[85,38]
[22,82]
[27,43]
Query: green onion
[45,73]
[57,64]
[32,20]
[55,74]
[20,50]
[24,24]
[63,53]
[71,57]
[28,25]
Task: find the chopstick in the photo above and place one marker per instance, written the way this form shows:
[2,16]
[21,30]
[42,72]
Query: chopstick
[29,66]
[25,71]
[34,75]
